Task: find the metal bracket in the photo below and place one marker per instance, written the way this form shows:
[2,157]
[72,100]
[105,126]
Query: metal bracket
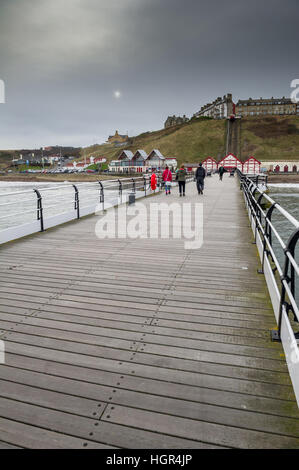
[275,336]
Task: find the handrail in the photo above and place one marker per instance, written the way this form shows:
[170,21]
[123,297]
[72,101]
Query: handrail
[282,277]
[83,197]
[39,209]
[265,229]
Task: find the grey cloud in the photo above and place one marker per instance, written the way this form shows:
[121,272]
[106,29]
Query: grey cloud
[62,60]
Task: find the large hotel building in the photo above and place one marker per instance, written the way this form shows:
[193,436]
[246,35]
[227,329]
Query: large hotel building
[263,107]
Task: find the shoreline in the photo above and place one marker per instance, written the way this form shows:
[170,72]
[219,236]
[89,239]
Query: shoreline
[281,178]
[72,178]
[55,178]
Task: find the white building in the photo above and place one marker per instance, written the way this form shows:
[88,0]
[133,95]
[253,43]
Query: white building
[155,160]
[280,166]
[171,162]
[140,162]
[252,166]
[221,108]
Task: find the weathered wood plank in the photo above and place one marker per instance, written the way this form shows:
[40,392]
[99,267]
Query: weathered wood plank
[171,345]
[204,432]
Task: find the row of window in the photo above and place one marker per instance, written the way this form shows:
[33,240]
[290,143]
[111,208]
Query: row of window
[270,103]
[257,113]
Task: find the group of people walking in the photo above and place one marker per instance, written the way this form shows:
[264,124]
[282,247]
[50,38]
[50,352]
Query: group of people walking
[180,176]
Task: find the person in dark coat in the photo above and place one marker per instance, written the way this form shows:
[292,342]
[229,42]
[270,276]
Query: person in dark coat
[221,170]
[181,178]
[200,176]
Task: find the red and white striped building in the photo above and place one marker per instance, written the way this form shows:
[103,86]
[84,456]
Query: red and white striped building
[230,162]
[210,164]
[252,166]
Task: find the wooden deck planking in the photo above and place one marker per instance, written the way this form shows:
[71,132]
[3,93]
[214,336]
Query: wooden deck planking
[173,345]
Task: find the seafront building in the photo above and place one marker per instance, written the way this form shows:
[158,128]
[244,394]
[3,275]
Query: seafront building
[141,162]
[280,166]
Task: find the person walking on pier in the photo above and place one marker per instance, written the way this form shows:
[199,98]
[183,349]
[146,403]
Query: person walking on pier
[167,178]
[153,181]
[221,170]
[181,178]
[200,176]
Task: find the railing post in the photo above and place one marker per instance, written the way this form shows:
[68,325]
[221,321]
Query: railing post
[77,201]
[254,204]
[144,184]
[291,247]
[102,198]
[120,190]
[40,215]
[269,216]
[134,186]
[290,279]
[159,182]
[258,214]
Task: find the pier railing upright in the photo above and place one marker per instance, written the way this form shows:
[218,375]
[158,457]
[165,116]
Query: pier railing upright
[278,264]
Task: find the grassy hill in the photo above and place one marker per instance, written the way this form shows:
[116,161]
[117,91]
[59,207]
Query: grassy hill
[267,138]
[6,157]
[271,138]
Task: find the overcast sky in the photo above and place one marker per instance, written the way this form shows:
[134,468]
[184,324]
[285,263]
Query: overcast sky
[63,61]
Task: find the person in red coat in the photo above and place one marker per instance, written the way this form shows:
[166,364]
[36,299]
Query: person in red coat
[154,181]
[167,178]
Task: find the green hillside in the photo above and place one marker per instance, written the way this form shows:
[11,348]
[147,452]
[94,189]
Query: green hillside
[271,138]
[267,138]
[6,157]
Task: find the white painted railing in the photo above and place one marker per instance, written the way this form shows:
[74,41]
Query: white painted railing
[282,280]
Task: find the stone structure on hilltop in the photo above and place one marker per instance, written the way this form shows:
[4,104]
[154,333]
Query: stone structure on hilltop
[118,138]
[175,120]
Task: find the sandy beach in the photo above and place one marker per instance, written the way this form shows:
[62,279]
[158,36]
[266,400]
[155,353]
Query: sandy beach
[283,178]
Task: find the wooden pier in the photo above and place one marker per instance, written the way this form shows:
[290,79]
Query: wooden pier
[123,343]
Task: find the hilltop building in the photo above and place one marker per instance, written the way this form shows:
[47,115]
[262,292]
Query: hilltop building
[224,107]
[118,138]
[175,120]
[221,108]
[264,106]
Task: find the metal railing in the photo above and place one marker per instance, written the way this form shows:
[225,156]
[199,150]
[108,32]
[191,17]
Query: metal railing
[29,211]
[45,207]
[258,179]
[278,264]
